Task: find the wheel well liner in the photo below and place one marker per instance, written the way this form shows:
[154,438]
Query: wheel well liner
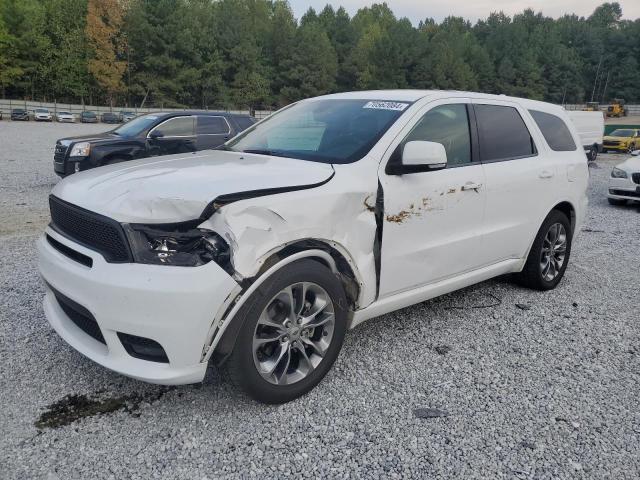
[345,275]
[569,211]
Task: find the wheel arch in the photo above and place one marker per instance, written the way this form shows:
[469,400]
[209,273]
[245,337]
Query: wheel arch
[569,210]
[226,328]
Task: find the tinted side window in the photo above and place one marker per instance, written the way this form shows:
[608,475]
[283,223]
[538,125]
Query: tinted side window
[176,127]
[503,133]
[555,131]
[449,126]
[212,126]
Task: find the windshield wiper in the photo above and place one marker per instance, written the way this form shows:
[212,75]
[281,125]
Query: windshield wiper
[260,151]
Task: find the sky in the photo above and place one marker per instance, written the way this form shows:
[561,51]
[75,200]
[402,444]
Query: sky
[417,10]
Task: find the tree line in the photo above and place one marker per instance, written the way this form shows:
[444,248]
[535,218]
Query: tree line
[254,53]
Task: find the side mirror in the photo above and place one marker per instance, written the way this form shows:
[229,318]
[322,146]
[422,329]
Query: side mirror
[635,153]
[156,134]
[421,156]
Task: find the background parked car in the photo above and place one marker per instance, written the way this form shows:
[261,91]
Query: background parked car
[622,140]
[147,136]
[126,116]
[42,115]
[65,117]
[109,117]
[0,114]
[20,114]
[590,127]
[88,117]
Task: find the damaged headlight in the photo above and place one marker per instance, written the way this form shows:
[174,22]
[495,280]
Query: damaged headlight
[176,245]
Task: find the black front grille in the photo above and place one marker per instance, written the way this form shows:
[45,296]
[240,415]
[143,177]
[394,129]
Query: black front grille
[60,153]
[94,231]
[80,316]
[611,143]
[636,177]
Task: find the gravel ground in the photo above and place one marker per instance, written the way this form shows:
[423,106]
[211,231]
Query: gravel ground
[529,384]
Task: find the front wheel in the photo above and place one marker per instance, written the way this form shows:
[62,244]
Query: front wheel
[292,331]
[549,255]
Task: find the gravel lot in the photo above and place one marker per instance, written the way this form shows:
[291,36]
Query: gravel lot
[534,385]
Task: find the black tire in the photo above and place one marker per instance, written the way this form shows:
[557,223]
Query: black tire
[616,202]
[531,275]
[592,154]
[241,366]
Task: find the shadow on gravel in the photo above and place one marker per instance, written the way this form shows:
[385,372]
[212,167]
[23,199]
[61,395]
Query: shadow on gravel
[75,407]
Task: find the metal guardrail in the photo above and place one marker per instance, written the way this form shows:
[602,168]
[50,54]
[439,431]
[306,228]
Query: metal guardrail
[633,110]
[7,105]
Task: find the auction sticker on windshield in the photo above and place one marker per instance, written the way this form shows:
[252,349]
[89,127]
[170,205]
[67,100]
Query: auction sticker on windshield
[387,105]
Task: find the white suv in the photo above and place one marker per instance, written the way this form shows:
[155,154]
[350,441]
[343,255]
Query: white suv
[330,212]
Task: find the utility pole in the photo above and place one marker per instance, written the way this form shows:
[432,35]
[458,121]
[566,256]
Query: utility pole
[593,93]
[604,90]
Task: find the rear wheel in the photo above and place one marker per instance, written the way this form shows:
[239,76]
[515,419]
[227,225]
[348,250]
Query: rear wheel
[549,255]
[616,201]
[293,329]
[592,154]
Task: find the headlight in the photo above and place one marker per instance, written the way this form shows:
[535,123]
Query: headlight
[618,173]
[176,245]
[81,150]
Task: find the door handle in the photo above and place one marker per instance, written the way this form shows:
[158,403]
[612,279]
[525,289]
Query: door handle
[545,174]
[471,186]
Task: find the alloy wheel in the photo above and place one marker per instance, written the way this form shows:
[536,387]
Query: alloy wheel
[554,250]
[293,333]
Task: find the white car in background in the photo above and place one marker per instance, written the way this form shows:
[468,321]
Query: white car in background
[67,117]
[42,115]
[330,212]
[624,183]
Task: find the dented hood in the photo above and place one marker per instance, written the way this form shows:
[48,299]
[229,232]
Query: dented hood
[179,187]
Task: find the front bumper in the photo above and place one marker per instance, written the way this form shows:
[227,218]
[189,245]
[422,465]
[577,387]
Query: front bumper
[174,306]
[623,189]
[617,148]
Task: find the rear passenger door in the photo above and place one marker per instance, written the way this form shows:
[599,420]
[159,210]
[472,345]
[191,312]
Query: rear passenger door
[520,178]
[211,131]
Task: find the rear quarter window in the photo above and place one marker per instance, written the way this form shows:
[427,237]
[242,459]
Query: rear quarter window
[503,134]
[555,131]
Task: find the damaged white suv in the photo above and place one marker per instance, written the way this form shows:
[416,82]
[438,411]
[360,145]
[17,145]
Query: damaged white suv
[330,212]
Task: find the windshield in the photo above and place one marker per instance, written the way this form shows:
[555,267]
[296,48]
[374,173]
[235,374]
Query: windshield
[42,110]
[136,127]
[88,114]
[64,113]
[622,133]
[322,130]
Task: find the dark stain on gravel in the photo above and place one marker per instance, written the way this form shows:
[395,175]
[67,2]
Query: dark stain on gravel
[442,349]
[72,407]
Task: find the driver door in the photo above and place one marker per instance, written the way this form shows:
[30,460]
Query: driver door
[433,220]
[175,135]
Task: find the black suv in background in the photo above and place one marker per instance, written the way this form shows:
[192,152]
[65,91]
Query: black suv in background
[146,136]
[19,114]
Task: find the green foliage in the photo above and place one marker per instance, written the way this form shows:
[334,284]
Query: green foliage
[253,53]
